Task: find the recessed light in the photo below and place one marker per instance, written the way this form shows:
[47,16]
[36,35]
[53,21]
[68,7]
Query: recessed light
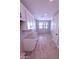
[51,0]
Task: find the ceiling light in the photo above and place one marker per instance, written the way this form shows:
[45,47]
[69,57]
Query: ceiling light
[51,0]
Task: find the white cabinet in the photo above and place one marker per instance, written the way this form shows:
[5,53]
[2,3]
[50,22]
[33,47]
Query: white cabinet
[25,16]
[22,12]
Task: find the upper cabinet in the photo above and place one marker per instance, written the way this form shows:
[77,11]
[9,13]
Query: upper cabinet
[22,12]
[29,16]
[25,16]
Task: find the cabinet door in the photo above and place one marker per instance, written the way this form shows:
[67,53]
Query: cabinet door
[22,13]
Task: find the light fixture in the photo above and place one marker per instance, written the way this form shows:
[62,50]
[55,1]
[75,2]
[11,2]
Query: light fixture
[51,0]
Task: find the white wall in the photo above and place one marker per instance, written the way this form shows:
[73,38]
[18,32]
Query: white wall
[56,29]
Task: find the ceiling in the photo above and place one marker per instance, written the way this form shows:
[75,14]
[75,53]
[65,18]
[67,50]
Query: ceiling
[42,8]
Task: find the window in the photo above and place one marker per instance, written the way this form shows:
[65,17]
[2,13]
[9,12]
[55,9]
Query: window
[31,25]
[40,25]
[46,25]
[43,25]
